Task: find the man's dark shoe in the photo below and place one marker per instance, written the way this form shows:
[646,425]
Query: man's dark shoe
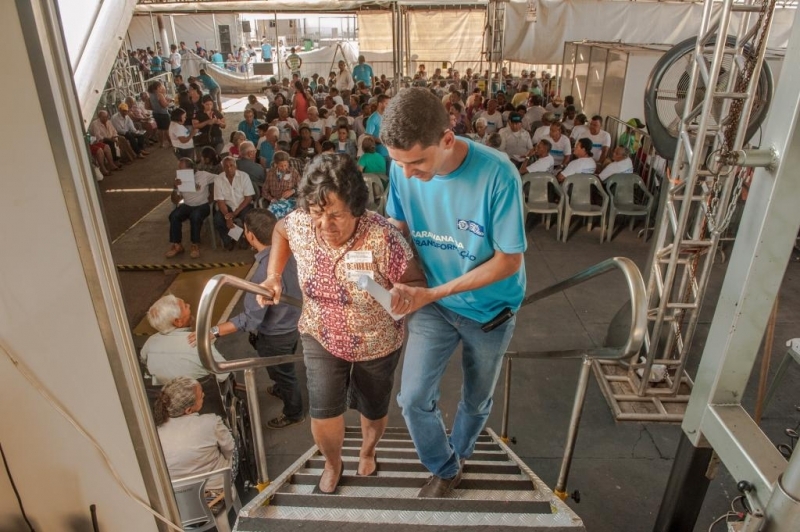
[438,487]
[281,422]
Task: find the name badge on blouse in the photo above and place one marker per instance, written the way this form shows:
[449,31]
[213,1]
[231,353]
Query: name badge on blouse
[358,263]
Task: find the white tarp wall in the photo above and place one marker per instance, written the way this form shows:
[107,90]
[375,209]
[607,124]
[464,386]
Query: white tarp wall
[435,37]
[188,28]
[560,21]
[438,36]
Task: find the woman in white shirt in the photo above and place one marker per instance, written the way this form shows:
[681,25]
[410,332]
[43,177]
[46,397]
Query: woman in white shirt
[180,136]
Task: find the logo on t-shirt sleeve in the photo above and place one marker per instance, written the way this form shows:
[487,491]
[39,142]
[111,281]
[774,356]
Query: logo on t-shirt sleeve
[472,227]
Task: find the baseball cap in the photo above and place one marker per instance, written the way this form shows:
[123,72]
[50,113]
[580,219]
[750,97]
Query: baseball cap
[123,107]
[514,117]
[635,122]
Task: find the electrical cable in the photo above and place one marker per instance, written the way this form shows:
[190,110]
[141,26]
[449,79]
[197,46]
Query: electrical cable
[723,517]
[61,409]
[14,487]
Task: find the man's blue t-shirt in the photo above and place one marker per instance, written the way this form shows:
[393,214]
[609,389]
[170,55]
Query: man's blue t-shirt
[266,52]
[267,151]
[218,60]
[459,220]
[208,82]
[374,128]
[250,132]
[363,72]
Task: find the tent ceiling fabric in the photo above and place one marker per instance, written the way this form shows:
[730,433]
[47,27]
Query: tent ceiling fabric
[268,6]
[93,44]
[563,21]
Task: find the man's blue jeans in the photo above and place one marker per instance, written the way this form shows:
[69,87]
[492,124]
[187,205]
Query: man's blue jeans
[195,215]
[433,335]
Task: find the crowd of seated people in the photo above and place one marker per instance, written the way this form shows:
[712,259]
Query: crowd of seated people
[297,118]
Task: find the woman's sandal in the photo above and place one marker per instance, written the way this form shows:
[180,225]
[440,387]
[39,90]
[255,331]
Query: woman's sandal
[374,471]
[319,491]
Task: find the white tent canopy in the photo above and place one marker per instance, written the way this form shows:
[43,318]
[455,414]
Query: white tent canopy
[95,29]
[560,21]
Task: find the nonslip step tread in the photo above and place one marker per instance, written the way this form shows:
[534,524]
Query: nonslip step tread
[498,483]
[420,505]
[499,468]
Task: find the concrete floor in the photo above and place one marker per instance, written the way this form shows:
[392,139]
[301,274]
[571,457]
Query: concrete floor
[620,468]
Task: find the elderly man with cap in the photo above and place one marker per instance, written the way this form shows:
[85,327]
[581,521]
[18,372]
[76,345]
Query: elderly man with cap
[516,141]
[556,106]
[125,127]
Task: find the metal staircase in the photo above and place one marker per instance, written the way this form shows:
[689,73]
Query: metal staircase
[497,492]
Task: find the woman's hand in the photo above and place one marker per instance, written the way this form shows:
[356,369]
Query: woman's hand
[273,284]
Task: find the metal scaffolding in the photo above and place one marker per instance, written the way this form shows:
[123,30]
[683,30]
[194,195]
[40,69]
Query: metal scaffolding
[496,13]
[704,185]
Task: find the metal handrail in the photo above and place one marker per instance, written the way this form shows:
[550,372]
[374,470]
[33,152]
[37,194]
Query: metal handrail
[638,303]
[636,336]
[249,365]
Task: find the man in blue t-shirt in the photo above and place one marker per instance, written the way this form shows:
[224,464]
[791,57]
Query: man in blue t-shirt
[461,204]
[212,86]
[266,52]
[363,72]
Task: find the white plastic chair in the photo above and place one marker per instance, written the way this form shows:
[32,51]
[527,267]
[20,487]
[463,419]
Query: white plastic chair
[578,192]
[538,201]
[621,190]
[375,199]
[196,515]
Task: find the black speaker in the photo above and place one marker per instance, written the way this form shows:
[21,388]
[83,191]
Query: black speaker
[263,69]
[246,26]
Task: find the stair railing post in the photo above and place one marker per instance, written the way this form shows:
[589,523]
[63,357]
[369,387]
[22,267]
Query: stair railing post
[506,401]
[255,428]
[574,423]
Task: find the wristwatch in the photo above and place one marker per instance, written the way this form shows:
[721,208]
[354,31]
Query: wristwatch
[215,331]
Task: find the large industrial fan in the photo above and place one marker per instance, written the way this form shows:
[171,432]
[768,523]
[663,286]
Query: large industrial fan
[667,90]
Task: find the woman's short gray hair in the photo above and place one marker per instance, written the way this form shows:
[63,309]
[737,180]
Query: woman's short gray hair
[176,396]
[333,174]
[163,313]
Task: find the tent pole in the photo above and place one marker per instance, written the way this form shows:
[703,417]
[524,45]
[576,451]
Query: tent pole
[278,47]
[153,27]
[172,25]
[164,37]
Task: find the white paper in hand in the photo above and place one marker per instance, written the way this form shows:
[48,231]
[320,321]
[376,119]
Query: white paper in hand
[381,295]
[235,232]
[187,180]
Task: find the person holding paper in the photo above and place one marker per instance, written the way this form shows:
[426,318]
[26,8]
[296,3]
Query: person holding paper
[190,197]
[461,204]
[233,192]
[351,345]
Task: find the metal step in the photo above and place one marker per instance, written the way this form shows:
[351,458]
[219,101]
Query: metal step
[497,492]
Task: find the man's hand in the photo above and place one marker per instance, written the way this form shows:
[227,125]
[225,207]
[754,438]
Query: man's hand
[229,224]
[287,194]
[177,182]
[192,338]
[407,299]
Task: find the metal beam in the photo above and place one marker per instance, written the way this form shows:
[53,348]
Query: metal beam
[764,244]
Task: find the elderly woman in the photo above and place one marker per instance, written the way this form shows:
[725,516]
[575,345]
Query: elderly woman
[280,186]
[351,344]
[192,443]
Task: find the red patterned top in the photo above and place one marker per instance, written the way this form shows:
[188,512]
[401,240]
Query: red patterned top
[346,320]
